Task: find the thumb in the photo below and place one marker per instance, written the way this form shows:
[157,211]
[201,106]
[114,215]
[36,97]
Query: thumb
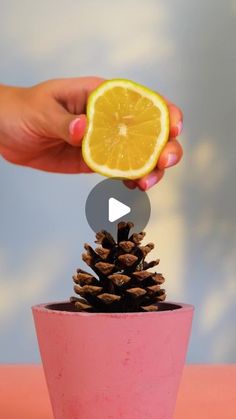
[77,128]
[70,128]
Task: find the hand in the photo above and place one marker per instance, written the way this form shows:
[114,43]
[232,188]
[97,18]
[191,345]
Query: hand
[43,126]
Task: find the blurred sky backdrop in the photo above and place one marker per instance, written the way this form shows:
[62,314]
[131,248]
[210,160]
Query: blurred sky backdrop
[184,50]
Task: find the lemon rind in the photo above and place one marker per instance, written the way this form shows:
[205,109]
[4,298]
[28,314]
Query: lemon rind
[162,138]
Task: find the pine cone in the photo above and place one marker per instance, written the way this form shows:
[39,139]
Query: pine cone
[122,282]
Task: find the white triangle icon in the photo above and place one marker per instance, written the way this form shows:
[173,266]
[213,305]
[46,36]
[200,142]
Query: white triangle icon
[117,209]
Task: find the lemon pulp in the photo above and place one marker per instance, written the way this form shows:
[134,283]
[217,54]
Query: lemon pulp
[128,126]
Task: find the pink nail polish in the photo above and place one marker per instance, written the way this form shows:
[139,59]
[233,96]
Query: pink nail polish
[77,129]
[152,180]
[72,126]
[171,160]
[179,127]
[142,186]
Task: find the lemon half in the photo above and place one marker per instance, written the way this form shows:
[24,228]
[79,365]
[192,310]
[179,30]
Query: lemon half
[128,127]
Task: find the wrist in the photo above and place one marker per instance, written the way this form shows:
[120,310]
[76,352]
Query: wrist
[10,108]
[4,88]
[3,97]
[5,93]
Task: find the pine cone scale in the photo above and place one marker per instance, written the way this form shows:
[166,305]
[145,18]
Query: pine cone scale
[87,289]
[119,279]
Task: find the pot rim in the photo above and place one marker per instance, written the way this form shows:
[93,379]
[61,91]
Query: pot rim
[43,307]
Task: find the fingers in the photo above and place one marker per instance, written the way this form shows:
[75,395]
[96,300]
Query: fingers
[131,184]
[150,180]
[146,182]
[176,120]
[171,155]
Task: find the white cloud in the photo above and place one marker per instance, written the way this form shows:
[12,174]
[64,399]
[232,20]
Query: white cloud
[207,163]
[130,32]
[204,154]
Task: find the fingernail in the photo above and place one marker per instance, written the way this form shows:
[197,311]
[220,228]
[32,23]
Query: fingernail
[77,128]
[147,182]
[179,127]
[73,124]
[176,130]
[171,160]
[151,181]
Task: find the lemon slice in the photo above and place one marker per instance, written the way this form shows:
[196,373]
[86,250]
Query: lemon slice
[128,126]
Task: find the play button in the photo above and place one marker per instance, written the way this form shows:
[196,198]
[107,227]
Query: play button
[110,201]
[116,210]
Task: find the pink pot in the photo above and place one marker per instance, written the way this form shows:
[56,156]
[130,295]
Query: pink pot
[110,366]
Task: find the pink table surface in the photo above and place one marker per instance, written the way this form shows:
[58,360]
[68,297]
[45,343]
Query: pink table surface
[206,392]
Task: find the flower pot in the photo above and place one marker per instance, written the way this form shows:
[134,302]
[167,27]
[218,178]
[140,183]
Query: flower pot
[113,365]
